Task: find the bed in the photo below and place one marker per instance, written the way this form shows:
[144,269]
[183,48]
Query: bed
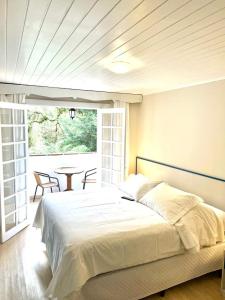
[101,246]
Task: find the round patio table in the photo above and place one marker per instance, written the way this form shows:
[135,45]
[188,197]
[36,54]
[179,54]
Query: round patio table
[69,172]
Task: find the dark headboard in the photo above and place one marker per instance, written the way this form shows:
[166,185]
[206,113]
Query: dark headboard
[174,167]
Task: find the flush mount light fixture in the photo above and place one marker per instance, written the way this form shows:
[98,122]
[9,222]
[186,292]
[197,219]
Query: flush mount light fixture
[72,113]
[121,63]
[120,67]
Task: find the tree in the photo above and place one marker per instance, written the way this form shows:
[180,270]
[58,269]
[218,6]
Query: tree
[82,131]
[52,131]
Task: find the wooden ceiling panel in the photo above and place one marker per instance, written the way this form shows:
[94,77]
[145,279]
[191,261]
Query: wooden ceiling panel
[105,31]
[157,22]
[52,21]
[72,43]
[15,22]
[88,25]
[66,32]
[129,33]
[189,45]
[35,18]
[204,17]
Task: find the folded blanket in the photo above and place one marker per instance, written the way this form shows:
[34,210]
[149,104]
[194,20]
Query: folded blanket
[200,227]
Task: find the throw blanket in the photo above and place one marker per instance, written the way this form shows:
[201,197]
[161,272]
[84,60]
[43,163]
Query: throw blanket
[200,227]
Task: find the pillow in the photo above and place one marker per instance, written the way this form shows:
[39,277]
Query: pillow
[169,202]
[136,186]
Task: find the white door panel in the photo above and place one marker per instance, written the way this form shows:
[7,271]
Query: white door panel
[111,139]
[13,170]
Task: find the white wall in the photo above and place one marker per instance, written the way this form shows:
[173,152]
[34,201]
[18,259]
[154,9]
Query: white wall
[184,127]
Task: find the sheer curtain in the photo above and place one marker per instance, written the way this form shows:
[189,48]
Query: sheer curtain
[13,98]
[125,105]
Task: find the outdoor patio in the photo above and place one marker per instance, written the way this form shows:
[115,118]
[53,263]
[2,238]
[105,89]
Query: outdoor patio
[48,163]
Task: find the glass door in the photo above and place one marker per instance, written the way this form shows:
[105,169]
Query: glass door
[111,139]
[13,171]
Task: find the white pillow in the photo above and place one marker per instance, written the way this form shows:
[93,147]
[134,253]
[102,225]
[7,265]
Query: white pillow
[136,186]
[169,202]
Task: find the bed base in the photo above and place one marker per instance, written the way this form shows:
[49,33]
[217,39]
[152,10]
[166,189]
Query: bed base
[142,281]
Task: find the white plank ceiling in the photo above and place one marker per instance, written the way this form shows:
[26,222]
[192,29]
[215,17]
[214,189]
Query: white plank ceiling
[71,43]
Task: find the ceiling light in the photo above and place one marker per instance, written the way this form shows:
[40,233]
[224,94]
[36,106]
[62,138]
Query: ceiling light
[120,67]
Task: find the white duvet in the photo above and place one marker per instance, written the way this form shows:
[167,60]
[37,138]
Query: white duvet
[87,234]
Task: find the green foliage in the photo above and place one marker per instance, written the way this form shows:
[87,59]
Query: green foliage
[52,131]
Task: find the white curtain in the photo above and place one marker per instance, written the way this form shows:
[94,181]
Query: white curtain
[13,98]
[125,105]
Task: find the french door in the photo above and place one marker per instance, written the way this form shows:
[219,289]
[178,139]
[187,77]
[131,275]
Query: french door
[111,139]
[13,170]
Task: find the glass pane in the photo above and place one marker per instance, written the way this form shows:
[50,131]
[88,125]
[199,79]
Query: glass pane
[6,116]
[117,119]
[8,170]
[18,116]
[106,176]
[9,188]
[7,134]
[20,150]
[106,148]
[106,120]
[22,214]
[21,199]
[20,167]
[117,149]
[106,134]
[106,162]
[20,183]
[19,134]
[10,222]
[116,163]
[8,152]
[116,177]
[117,134]
[10,205]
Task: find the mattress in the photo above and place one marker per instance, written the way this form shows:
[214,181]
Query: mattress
[144,280]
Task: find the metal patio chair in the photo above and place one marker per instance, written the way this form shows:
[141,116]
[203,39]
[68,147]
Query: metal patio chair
[52,182]
[86,178]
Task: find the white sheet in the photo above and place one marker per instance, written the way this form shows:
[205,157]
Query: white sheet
[92,233]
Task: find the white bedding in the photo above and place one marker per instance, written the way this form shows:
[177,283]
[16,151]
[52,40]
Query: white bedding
[87,234]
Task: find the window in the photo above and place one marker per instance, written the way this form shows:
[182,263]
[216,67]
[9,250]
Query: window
[50,131]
